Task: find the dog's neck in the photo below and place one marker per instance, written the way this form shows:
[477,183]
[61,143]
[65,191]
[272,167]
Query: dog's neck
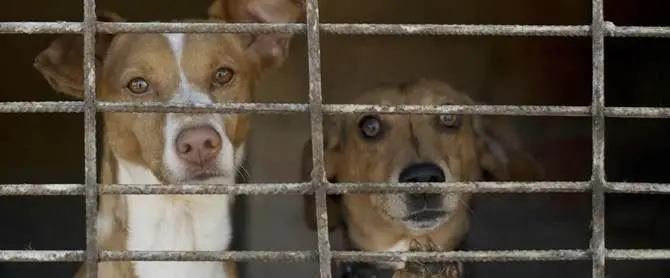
[173,223]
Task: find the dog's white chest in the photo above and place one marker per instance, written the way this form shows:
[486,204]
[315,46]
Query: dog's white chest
[199,223]
[175,223]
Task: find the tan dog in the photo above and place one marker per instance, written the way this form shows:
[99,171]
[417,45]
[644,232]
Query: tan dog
[157,148]
[416,148]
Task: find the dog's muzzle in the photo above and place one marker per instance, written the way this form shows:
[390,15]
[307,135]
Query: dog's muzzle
[423,207]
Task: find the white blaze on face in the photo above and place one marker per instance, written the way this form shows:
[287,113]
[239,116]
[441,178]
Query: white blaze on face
[187,93]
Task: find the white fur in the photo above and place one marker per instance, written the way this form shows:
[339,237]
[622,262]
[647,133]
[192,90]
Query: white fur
[400,246]
[180,222]
[175,122]
[175,223]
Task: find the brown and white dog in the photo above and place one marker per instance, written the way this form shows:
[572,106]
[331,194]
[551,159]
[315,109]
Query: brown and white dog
[413,148]
[172,148]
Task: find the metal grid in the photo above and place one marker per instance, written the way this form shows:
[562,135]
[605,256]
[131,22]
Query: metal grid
[598,30]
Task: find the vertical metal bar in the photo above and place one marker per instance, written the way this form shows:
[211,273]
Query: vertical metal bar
[316,124]
[91,195]
[598,138]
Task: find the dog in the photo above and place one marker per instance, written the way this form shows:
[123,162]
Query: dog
[172,148]
[412,148]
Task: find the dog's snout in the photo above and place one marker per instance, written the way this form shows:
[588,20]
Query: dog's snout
[198,145]
[422,172]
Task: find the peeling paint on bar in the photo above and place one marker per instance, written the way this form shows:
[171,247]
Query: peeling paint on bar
[348,256]
[288,108]
[597,242]
[637,187]
[335,28]
[263,256]
[464,256]
[337,188]
[40,27]
[456,29]
[90,146]
[182,27]
[41,256]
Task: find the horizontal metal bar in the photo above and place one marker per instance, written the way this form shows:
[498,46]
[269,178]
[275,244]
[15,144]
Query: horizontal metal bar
[336,188]
[334,28]
[640,31]
[264,256]
[526,110]
[637,112]
[637,187]
[299,188]
[58,27]
[42,107]
[464,256]
[193,27]
[41,189]
[455,29]
[284,108]
[41,256]
[638,254]
[349,256]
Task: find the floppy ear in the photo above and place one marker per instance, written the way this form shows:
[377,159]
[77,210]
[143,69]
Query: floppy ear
[62,63]
[257,10]
[500,153]
[269,50]
[331,145]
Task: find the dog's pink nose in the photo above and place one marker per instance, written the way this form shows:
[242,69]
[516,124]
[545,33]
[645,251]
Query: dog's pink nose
[198,145]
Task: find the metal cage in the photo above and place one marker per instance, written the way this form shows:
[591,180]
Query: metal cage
[597,185]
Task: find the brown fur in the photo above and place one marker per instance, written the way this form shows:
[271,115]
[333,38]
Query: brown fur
[138,137]
[431,269]
[467,152]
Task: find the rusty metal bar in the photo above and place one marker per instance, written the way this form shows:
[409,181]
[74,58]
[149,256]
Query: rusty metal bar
[337,188]
[637,187]
[335,28]
[287,108]
[318,175]
[306,188]
[597,244]
[90,168]
[41,27]
[301,256]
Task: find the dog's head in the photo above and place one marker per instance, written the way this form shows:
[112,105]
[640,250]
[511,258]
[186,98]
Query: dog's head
[173,69]
[419,148]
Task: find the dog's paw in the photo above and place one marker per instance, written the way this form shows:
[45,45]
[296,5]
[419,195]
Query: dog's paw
[364,270]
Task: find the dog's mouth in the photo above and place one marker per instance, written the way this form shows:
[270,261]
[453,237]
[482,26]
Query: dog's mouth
[425,218]
[204,175]
[426,215]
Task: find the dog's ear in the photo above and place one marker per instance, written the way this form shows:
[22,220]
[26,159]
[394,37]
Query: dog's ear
[331,145]
[61,63]
[257,10]
[269,50]
[500,154]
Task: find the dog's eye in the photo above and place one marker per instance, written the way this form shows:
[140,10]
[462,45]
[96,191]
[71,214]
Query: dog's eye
[138,85]
[370,126]
[223,75]
[449,120]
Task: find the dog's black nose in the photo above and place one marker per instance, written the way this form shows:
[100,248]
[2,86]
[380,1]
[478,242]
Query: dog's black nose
[422,172]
